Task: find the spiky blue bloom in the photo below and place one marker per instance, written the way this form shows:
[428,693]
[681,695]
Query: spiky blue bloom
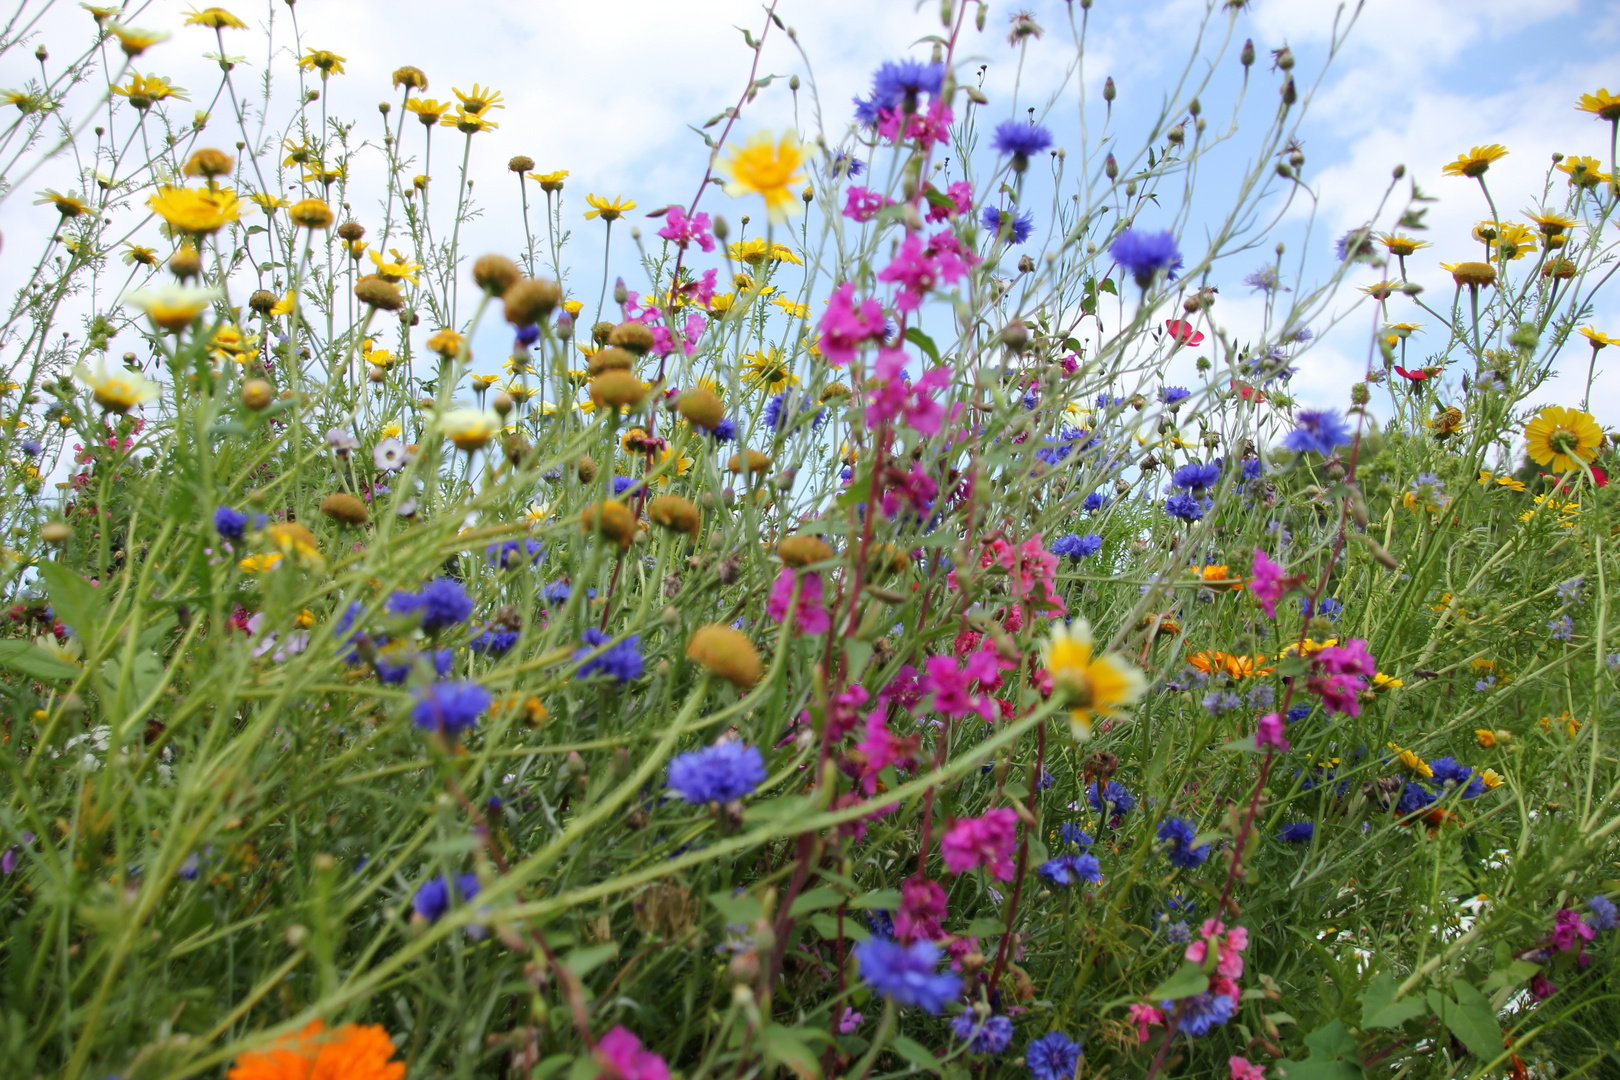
[905,973]
[719,773]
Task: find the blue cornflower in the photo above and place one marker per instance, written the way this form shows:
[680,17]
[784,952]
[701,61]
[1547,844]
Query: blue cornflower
[1253,468]
[880,922]
[449,707]
[1019,228]
[867,112]
[719,773]
[622,484]
[1065,870]
[432,900]
[494,642]
[1300,832]
[1296,713]
[1320,431]
[1118,799]
[1197,476]
[1201,1012]
[846,165]
[31,447]
[1074,834]
[1329,607]
[394,666]
[622,661]
[510,553]
[1178,834]
[990,1037]
[725,431]
[1414,797]
[1053,1056]
[1109,401]
[901,82]
[442,602]
[1144,254]
[1603,915]
[1170,395]
[1355,244]
[230,524]
[1184,506]
[786,407]
[1451,775]
[905,973]
[1020,141]
[1095,501]
[558,592]
[1266,280]
[1077,547]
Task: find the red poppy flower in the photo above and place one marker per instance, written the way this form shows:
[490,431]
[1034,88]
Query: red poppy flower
[1414,376]
[1183,332]
[1249,393]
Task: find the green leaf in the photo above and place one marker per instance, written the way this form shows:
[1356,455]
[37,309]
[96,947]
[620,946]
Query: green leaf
[1107,285]
[584,1068]
[1333,1050]
[938,198]
[916,1053]
[1245,745]
[986,927]
[583,961]
[1474,1022]
[923,342]
[73,600]
[26,658]
[857,654]
[884,899]
[1188,980]
[784,1046]
[783,806]
[815,900]
[737,909]
[1332,1039]
[1380,1009]
[1293,666]
[827,926]
[858,492]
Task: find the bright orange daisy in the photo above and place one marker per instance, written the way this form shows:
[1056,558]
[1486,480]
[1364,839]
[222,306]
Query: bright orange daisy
[352,1052]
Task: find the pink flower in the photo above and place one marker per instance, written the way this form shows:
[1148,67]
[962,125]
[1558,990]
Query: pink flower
[841,714]
[682,230]
[849,1021]
[903,688]
[1267,583]
[912,402]
[959,948]
[985,841]
[959,193]
[1338,675]
[809,616]
[926,127]
[845,328]
[1183,333]
[1244,1069]
[880,749]
[622,1058]
[1229,950]
[1270,732]
[922,911]
[948,685]
[985,665]
[1339,693]
[946,242]
[1351,658]
[918,273]
[1144,1016]
[915,487]
[1569,931]
[862,204]
[1541,987]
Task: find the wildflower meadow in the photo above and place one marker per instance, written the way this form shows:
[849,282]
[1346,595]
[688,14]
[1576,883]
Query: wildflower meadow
[826,636]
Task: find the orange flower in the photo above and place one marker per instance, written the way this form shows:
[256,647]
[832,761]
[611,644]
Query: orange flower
[352,1052]
[1216,577]
[1214,662]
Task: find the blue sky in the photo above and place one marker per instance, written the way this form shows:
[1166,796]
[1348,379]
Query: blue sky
[607,90]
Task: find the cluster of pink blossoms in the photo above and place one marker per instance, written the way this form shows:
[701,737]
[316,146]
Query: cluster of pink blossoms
[987,840]
[682,230]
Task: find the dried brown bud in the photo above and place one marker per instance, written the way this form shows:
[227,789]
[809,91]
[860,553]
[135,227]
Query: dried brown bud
[495,274]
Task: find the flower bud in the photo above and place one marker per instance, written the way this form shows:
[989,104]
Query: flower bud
[1246,57]
[1111,168]
[635,337]
[522,163]
[375,292]
[611,519]
[701,406]
[346,508]
[617,389]
[727,653]
[1109,93]
[257,394]
[495,274]
[797,551]
[676,514]
[530,300]
[311,214]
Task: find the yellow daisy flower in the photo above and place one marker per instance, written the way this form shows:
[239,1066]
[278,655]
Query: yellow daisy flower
[1402,245]
[171,307]
[195,210]
[1583,171]
[144,91]
[608,210]
[399,269]
[468,123]
[550,181]
[116,391]
[215,18]
[798,311]
[1476,161]
[1602,105]
[329,63]
[134,41]
[1598,340]
[770,168]
[1550,222]
[769,369]
[1562,438]
[1414,764]
[755,251]
[479,99]
[428,110]
[1095,685]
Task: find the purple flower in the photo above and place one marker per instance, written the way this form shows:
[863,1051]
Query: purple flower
[1266,280]
[1144,254]
[989,1037]
[785,408]
[905,973]
[1074,834]
[719,773]
[1414,797]
[1184,506]
[1077,547]
[1065,870]
[394,666]
[622,661]
[31,447]
[1319,431]
[1019,226]
[432,900]
[1095,501]
[1197,476]
[1450,775]
[899,83]
[1119,800]
[449,707]
[1178,933]
[1053,1056]
[442,602]
[1563,628]
[494,642]
[1020,141]
[230,524]
[1170,395]
[1603,915]
[510,553]
[1201,1012]
[1178,834]
[1300,832]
